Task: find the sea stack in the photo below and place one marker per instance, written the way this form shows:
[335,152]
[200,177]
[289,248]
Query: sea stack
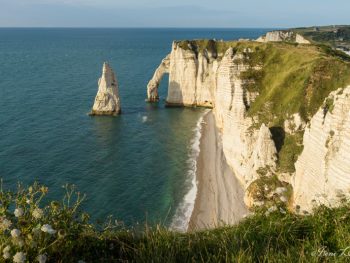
[107,100]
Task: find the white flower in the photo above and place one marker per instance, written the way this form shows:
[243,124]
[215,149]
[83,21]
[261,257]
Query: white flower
[38,213]
[282,211]
[272,209]
[18,212]
[280,190]
[259,203]
[19,257]
[6,249]
[6,252]
[5,223]
[41,258]
[15,233]
[6,255]
[28,201]
[283,199]
[48,229]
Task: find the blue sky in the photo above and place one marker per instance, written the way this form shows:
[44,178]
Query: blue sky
[179,13]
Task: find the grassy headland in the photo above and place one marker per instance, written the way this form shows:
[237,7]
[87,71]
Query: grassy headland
[289,77]
[61,232]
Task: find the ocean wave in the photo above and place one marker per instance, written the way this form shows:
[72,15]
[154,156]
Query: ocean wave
[183,213]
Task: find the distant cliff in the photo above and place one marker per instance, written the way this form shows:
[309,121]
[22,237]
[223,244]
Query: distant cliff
[265,96]
[283,35]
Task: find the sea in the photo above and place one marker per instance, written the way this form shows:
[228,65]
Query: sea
[138,167]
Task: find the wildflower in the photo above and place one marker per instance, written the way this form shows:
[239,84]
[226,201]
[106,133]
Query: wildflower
[44,189]
[28,201]
[38,213]
[15,233]
[6,252]
[270,210]
[48,229]
[19,257]
[6,249]
[280,190]
[259,203]
[18,212]
[6,255]
[283,199]
[41,258]
[5,223]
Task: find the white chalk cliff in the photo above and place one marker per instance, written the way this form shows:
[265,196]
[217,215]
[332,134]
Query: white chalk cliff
[107,101]
[323,168]
[199,79]
[278,36]
[213,80]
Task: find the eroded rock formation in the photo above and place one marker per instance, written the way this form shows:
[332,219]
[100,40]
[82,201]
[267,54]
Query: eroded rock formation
[278,36]
[200,76]
[323,169]
[200,79]
[107,101]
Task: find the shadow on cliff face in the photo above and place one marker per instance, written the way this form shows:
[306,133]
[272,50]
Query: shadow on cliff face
[278,135]
[175,97]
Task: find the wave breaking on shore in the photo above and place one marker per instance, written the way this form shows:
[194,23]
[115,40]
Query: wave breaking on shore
[183,213]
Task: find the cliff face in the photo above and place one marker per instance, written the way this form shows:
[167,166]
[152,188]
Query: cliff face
[278,36]
[107,100]
[323,168]
[263,96]
[203,79]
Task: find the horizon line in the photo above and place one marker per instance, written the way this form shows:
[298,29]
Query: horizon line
[136,27]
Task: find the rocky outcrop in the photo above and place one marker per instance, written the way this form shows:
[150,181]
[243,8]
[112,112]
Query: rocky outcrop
[191,78]
[107,101]
[199,76]
[323,168]
[301,40]
[152,87]
[202,79]
[278,36]
[294,123]
[246,149]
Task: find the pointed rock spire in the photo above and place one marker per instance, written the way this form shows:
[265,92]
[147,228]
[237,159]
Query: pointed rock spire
[107,101]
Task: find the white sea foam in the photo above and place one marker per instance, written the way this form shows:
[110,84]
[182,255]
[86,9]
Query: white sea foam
[183,213]
[144,119]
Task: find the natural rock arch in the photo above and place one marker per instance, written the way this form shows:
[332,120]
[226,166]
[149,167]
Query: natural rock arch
[152,87]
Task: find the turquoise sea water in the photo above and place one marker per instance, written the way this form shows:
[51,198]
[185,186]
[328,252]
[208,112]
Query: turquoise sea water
[136,166]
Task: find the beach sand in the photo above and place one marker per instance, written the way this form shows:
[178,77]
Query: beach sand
[220,196]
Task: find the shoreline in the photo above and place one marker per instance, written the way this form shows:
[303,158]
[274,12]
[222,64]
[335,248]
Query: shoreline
[220,196]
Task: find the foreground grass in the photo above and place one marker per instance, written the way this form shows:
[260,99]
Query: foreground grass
[60,232]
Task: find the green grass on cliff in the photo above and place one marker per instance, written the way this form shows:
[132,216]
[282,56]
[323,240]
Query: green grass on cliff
[289,78]
[293,78]
[60,232]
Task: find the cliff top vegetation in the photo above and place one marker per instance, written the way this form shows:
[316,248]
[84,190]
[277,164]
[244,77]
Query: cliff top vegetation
[32,229]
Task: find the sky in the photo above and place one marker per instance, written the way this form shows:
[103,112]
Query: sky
[179,13]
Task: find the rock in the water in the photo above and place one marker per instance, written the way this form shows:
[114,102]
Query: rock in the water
[107,101]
